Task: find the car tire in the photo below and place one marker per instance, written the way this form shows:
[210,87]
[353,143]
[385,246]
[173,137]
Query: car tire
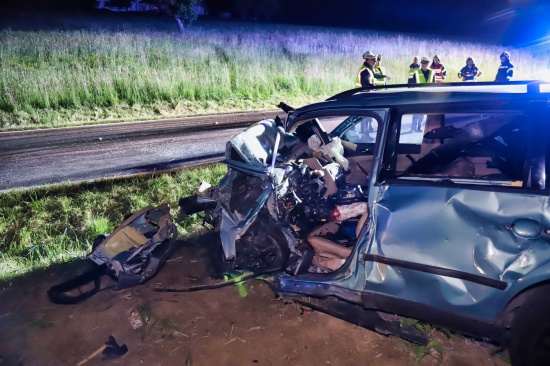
[263,246]
[275,256]
[529,333]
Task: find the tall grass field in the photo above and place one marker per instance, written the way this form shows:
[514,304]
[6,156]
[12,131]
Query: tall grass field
[59,77]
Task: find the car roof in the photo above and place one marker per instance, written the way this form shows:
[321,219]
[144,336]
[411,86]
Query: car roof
[388,96]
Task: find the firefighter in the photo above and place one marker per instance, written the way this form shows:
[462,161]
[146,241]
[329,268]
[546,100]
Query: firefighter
[366,74]
[424,74]
[440,72]
[412,68]
[381,75]
[506,69]
[470,72]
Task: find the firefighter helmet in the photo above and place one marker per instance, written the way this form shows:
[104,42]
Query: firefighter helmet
[424,59]
[469,58]
[369,54]
[505,54]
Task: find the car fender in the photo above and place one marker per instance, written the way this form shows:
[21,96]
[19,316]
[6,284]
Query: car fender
[537,277]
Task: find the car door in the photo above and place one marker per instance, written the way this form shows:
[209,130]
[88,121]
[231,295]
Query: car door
[456,214]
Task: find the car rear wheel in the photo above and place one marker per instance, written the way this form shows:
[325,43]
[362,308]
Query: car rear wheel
[529,333]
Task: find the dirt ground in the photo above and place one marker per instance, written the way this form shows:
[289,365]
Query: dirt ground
[244,325]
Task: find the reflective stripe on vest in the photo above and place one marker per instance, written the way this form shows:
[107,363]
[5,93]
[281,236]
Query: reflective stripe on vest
[438,70]
[412,71]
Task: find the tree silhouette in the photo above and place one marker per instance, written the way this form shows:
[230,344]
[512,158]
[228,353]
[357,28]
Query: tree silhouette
[181,10]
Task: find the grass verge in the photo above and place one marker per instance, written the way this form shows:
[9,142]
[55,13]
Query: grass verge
[50,225]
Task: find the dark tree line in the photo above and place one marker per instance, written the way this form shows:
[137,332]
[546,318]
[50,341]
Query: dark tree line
[468,19]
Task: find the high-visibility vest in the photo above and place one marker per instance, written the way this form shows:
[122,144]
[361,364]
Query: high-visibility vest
[381,80]
[411,73]
[420,79]
[358,77]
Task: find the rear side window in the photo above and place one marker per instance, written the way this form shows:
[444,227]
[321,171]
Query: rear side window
[467,148]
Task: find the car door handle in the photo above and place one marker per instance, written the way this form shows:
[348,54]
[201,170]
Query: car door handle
[527,228]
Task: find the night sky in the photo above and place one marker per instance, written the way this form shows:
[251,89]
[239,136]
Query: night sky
[501,21]
[508,22]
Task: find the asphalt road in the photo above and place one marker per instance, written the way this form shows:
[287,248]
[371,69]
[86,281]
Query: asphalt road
[89,153]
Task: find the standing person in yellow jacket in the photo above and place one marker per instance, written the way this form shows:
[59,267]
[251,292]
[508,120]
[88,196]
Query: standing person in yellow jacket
[381,74]
[424,74]
[366,74]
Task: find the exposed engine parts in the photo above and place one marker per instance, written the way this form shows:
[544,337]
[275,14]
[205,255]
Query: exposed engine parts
[278,190]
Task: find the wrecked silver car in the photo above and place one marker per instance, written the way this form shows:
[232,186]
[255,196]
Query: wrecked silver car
[428,202]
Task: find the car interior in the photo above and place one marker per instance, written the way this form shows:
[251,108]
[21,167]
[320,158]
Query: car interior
[469,148]
[329,237]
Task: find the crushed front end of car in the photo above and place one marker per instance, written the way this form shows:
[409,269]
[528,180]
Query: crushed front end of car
[281,189]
